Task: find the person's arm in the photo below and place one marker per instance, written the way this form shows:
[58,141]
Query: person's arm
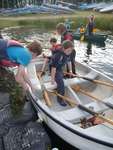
[19,77]
[53,72]
[22,78]
[69,66]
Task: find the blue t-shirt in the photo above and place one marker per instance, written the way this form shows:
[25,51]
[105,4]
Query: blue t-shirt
[20,55]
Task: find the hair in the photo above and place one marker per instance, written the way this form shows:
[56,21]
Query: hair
[35,47]
[61,26]
[54,40]
[67,44]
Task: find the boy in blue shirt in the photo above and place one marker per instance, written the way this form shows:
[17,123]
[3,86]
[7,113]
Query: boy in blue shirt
[14,52]
[58,60]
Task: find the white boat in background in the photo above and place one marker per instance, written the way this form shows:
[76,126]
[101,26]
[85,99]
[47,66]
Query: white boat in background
[59,7]
[66,121]
[101,6]
[92,6]
[107,9]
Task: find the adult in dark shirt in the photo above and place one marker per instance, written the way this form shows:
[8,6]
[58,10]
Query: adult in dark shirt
[91,25]
[66,35]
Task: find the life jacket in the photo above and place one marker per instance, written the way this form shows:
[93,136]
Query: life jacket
[4,59]
[8,63]
[62,60]
[82,30]
[67,36]
[55,48]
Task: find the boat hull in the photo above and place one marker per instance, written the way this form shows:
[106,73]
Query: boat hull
[64,121]
[72,137]
[96,38]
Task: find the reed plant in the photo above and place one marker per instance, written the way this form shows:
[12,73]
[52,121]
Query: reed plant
[48,22]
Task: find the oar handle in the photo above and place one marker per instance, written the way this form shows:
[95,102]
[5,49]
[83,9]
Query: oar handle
[65,98]
[87,110]
[103,83]
[84,108]
[47,99]
[93,97]
[91,80]
[45,93]
[90,95]
[106,119]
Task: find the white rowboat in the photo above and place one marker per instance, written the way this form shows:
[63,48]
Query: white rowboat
[65,121]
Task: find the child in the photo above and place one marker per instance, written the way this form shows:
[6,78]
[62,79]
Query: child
[14,52]
[82,33]
[58,60]
[82,30]
[66,35]
[54,48]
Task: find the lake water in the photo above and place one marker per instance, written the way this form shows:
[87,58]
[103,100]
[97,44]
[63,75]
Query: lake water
[98,57]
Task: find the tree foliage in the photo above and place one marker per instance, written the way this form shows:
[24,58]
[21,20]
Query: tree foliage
[18,3]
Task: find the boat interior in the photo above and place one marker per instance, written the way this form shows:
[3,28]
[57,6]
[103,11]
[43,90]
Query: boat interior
[71,112]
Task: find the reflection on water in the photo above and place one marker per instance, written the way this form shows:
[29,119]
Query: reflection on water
[97,56]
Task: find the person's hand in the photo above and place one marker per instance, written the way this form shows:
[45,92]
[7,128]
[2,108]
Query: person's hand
[71,75]
[44,56]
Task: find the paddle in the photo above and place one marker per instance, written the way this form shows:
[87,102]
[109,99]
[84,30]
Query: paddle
[91,80]
[82,37]
[45,93]
[83,107]
[77,88]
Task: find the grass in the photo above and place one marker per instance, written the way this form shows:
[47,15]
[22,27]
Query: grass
[47,21]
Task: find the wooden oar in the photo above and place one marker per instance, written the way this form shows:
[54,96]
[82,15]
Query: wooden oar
[65,98]
[82,37]
[89,79]
[77,88]
[45,93]
[83,107]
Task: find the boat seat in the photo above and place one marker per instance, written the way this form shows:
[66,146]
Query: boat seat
[92,75]
[75,113]
[72,114]
[109,100]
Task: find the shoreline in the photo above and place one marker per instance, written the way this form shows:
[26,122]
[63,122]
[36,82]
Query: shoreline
[48,21]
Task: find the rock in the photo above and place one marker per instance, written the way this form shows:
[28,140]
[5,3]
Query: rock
[1,144]
[4,99]
[32,136]
[7,118]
